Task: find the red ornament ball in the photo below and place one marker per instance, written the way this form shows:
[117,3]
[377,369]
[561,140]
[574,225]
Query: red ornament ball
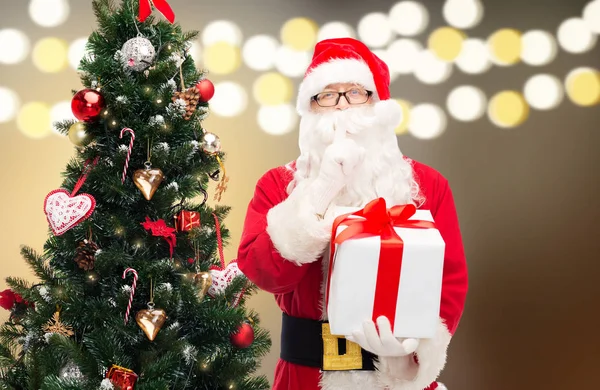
[206,89]
[243,337]
[87,104]
[191,260]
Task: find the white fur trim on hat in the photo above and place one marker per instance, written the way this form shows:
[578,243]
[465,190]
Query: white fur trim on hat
[331,72]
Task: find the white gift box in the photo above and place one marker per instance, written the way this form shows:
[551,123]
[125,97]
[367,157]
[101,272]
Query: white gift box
[354,275]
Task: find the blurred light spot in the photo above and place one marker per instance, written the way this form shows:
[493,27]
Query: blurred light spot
[431,70]
[403,126]
[446,43]
[230,99]
[427,121]
[50,55]
[34,120]
[290,62]
[49,13]
[277,120]
[299,34]
[508,109]
[591,15]
[76,52]
[259,52]
[335,30]
[221,31]
[539,48]
[403,55]
[374,30]
[385,57]
[543,92]
[9,104]
[505,47]
[196,53]
[60,112]
[583,86]
[463,14]
[408,18]
[466,103]
[575,36]
[474,57]
[222,58]
[14,46]
[272,89]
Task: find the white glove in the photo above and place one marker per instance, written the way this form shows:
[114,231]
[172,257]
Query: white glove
[341,157]
[339,161]
[382,344]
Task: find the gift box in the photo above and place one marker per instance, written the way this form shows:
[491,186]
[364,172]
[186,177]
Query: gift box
[186,220]
[122,378]
[385,262]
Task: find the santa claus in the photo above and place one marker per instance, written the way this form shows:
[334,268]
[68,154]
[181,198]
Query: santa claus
[349,156]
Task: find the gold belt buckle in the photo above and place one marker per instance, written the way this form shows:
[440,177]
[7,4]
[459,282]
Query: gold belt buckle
[332,360]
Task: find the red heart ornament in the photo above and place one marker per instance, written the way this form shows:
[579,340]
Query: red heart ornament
[64,211]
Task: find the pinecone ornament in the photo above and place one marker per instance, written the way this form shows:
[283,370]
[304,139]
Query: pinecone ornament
[191,97]
[86,255]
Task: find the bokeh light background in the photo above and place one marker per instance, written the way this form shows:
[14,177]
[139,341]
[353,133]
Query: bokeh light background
[481,83]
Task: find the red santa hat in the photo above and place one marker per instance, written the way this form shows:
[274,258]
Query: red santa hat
[343,60]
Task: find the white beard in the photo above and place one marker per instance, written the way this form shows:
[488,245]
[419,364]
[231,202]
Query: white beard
[383,173]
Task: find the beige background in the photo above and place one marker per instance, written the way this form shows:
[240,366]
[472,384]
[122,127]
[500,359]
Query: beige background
[527,198]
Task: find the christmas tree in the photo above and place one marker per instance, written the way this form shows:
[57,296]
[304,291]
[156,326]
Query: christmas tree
[133,291]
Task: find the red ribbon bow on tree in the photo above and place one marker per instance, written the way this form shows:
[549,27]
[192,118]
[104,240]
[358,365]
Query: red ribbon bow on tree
[161,5]
[160,229]
[377,220]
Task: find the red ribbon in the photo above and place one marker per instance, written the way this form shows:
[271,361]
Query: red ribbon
[377,220]
[161,5]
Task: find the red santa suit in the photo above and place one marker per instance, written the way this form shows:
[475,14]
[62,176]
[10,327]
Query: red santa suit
[277,251]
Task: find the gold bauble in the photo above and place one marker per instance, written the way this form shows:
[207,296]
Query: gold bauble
[79,135]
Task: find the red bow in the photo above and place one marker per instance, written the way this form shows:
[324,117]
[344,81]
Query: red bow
[161,5]
[377,220]
[160,229]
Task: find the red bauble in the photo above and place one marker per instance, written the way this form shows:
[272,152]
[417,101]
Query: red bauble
[87,104]
[243,337]
[206,89]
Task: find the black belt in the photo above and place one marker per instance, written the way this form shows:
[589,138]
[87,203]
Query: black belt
[302,343]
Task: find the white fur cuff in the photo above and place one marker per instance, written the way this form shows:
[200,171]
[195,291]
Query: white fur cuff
[431,355]
[296,232]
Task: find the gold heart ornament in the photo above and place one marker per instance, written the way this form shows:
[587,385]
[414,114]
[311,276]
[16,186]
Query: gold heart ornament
[151,321]
[148,180]
[203,280]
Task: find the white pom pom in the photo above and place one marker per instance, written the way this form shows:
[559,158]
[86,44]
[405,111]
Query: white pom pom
[106,385]
[388,113]
[441,386]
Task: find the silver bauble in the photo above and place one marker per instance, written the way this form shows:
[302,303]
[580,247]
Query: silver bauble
[137,54]
[211,143]
[71,371]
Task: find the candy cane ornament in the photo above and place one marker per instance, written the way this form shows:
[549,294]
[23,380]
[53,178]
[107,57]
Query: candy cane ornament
[123,131]
[135,278]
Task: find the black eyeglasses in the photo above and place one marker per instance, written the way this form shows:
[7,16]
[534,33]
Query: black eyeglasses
[353,96]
